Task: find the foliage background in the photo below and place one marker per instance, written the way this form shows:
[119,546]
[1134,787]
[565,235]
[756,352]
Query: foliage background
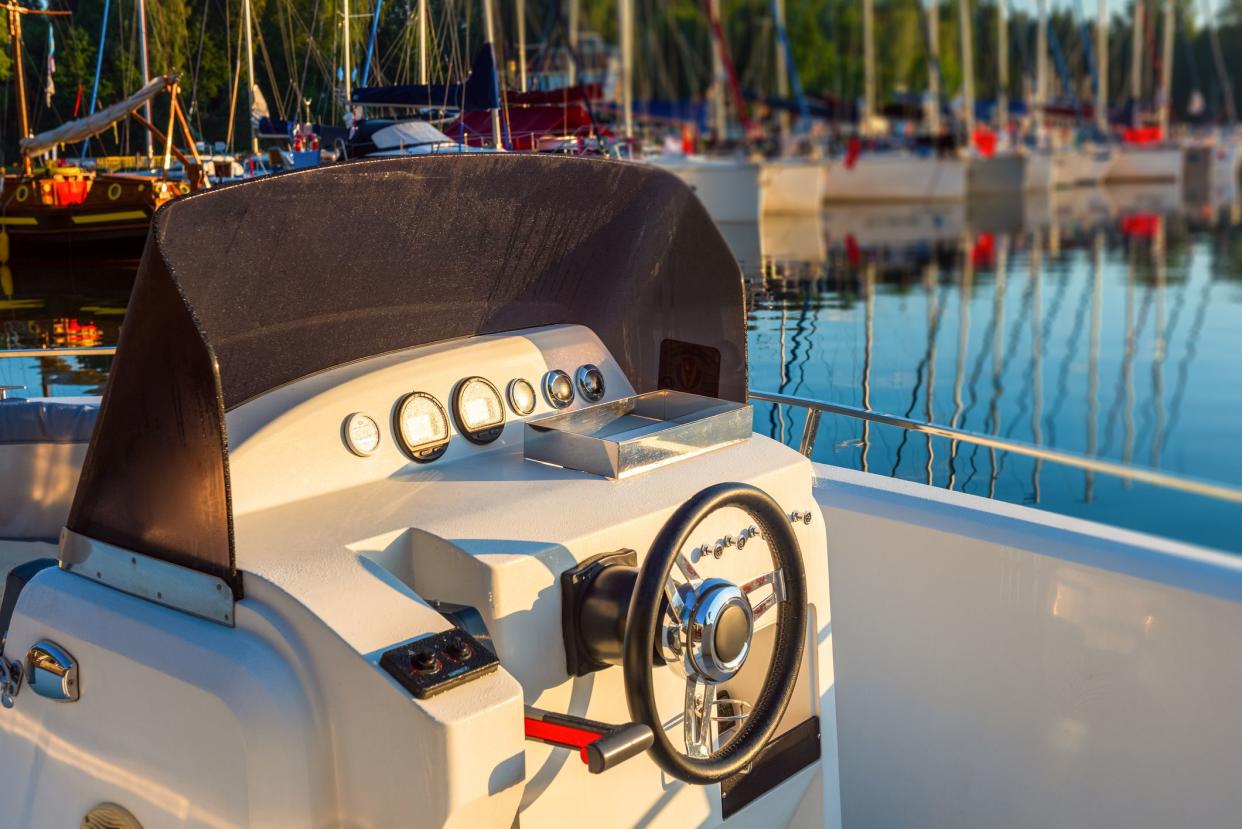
[298,47]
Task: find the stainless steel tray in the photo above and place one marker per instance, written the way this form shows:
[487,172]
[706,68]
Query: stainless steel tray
[636,434]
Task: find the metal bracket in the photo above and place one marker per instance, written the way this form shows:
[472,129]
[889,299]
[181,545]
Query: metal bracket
[162,582]
[10,681]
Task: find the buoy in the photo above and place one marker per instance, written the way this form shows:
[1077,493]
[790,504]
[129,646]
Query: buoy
[4,246]
[6,280]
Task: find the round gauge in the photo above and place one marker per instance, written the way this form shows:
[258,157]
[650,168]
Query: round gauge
[478,410]
[361,433]
[422,426]
[521,396]
[558,388]
[590,382]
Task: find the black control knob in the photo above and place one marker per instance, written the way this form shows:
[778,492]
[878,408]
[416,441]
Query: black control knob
[458,650]
[424,660]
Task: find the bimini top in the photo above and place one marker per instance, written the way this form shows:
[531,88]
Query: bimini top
[248,287]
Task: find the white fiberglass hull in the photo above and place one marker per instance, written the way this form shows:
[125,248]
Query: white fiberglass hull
[1082,166]
[727,187]
[1147,164]
[791,185]
[1059,672]
[1037,170]
[895,177]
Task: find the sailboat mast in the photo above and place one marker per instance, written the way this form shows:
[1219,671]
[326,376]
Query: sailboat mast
[521,35]
[349,57]
[1101,64]
[782,63]
[868,65]
[19,77]
[489,26]
[720,115]
[573,41]
[933,66]
[145,66]
[254,136]
[625,25]
[1041,67]
[1166,70]
[968,67]
[1136,59]
[422,41]
[1002,67]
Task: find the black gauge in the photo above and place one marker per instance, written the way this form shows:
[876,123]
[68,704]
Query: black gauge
[422,426]
[478,410]
[590,382]
[521,396]
[558,388]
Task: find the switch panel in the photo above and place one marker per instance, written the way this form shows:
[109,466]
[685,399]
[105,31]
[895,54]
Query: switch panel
[439,662]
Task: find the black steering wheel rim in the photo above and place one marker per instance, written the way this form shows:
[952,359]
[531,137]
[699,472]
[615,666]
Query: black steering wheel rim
[643,623]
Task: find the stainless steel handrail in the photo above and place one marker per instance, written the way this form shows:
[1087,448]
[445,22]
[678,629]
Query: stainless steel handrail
[93,351]
[1147,475]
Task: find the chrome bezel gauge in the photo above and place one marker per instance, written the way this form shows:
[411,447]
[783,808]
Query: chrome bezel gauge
[511,393]
[590,382]
[355,431]
[426,451]
[550,381]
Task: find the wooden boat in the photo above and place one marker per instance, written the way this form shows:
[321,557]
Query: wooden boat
[61,203]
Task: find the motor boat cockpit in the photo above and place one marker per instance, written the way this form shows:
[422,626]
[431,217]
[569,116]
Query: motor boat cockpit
[404,517]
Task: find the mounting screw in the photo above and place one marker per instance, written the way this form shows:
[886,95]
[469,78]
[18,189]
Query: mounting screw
[806,517]
[795,517]
[718,550]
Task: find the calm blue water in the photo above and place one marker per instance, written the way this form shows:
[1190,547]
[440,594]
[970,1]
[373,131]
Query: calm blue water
[1107,323]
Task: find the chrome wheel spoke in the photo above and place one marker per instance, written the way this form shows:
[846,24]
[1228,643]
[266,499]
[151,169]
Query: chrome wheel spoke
[698,722]
[677,594]
[776,579]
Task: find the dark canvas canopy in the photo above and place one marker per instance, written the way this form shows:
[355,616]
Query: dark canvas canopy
[248,287]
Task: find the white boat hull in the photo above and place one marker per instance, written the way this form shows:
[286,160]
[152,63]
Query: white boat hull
[727,187]
[895,177]
[791,185]
[1144,164]
[1082,166]
[1037,170]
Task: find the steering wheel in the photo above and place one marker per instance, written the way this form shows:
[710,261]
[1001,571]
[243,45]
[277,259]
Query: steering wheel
[703,629]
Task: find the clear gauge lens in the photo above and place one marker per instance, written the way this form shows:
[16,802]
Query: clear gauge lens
[478,410]
[422,426]
[521,397]
[591,383]
[362,434]
[558,388]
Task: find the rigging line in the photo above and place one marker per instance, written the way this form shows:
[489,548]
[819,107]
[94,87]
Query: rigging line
[310,46]
[267,63]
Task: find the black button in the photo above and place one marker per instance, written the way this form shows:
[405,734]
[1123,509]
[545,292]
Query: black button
[459,650]
[424,660]
[732,633]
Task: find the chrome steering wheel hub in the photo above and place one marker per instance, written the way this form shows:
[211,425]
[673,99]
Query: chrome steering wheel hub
[710,639]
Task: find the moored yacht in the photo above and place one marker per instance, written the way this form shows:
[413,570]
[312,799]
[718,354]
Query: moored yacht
[895,175]
[482,535]
[729,187]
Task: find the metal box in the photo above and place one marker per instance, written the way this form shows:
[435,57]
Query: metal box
[637,434]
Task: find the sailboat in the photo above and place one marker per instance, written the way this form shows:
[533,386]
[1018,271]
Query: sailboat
[789,183]
[61,203]
[728,185]
[1146,153]
[872,171]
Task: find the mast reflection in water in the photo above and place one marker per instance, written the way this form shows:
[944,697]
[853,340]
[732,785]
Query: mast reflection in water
[1103,322]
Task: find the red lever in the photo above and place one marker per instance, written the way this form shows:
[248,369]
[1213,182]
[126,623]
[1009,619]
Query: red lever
[601,746]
